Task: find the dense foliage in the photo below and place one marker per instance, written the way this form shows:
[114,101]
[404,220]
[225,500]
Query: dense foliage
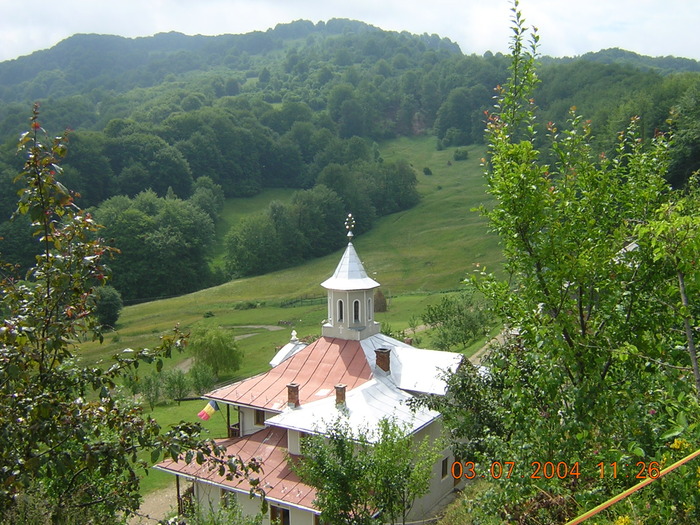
[298,105]
[597,364]
[70,442]
[358,473]
[311,225]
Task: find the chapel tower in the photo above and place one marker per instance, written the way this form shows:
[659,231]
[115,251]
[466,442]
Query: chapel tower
[350,297]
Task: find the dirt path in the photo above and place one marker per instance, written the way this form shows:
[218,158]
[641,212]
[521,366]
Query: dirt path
[156,506]
[481,352]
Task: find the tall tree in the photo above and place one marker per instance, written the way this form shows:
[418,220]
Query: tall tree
[216,348]
[588,374]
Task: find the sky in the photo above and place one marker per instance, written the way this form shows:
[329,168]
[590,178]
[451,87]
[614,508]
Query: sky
[566,28]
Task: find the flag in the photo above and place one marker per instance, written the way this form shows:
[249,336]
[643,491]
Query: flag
[208,410]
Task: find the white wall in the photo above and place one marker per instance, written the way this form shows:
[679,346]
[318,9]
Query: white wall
[293,442]
[251,506]
[439,486]
[207,496]
[247,416]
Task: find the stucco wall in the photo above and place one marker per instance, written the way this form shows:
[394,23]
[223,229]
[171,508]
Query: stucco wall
[439,486]
[207,496]
[247,415]
[252,506]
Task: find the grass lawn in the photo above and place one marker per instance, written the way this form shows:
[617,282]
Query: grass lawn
[170,414]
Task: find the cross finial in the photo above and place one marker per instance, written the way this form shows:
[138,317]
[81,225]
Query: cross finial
[350,225]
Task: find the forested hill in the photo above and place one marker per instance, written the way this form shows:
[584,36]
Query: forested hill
[84,62]
[166,127]
[664,65]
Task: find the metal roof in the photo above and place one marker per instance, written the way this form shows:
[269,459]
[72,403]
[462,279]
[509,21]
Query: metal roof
[364,408]
[414,369]
[317,369]
[350,274]
[294,346]
[277,479]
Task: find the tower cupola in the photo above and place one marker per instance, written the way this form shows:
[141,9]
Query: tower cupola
[350,296]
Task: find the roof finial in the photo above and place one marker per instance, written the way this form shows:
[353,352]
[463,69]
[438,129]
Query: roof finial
[349,226]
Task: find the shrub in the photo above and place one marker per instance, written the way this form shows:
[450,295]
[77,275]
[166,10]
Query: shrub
[108,305]
[176,385]
[461,154]
[379,301]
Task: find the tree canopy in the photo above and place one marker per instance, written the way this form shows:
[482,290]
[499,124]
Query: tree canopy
[596,365]
[70,442]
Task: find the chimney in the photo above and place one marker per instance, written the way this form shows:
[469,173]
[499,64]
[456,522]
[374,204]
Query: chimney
[293,395]
[340,395]
[383,358]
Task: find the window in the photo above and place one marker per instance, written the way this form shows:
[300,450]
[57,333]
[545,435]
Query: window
[340,311]
[369,309]
[279,514]
[260,417]
[356,311]
[228,498]
[445,466]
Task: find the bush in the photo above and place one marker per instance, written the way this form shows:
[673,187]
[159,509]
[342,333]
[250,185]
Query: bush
[427,171]
[379,302]
[108,305]
[461,154]
[176,385]
[202,376]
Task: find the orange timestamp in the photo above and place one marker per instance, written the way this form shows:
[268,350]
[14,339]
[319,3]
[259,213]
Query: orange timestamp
[550,470]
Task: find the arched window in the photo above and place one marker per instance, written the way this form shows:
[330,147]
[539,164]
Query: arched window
[340,311]
[356,312]
[369,309]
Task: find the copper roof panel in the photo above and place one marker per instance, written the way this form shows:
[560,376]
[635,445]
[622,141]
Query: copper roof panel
[317,369]
[277,479]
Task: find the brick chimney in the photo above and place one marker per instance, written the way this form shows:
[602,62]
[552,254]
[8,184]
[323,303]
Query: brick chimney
[340,394]
[383,356]
[293,395]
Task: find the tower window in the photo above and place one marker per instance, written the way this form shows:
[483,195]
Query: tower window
[340,311]
[369,309]
[356,311]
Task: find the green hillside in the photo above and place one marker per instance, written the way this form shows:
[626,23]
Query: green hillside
[428,248]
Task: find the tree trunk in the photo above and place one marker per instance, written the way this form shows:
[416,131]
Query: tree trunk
[689,333]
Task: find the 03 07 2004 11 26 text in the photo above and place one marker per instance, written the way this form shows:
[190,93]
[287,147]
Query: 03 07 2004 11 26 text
[551,469]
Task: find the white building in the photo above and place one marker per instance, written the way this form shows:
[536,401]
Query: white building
[352,370]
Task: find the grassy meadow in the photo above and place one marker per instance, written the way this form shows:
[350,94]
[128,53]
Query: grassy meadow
[416,255]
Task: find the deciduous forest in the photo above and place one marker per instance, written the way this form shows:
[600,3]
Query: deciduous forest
[164,128]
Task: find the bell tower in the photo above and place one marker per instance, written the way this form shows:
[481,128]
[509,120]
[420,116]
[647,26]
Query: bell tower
[350,296]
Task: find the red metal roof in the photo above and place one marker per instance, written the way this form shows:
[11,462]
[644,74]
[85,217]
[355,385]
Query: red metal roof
[277,479]
[317,369]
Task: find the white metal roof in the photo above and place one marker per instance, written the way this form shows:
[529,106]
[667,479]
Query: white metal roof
[288,350]
[350,274]
[413,369]
[364,407]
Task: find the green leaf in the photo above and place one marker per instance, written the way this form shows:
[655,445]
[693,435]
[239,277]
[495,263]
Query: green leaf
[672,433]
